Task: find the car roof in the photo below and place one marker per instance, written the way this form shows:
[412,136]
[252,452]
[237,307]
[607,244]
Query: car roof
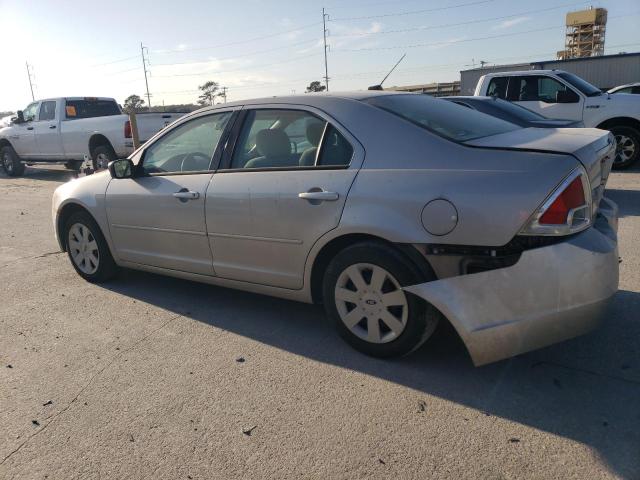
[311,98]
[523,72]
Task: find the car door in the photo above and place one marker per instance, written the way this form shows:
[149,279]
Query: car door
[157,218]
[48,138]
[540,94]
[23,137]
[281,187]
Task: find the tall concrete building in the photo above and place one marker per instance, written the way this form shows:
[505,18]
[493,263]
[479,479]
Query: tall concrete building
[585,34]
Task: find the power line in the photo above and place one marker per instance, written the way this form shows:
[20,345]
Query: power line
[412,12]
[259,52]
[447,25]
[218,72]
[114,61]
[249,40]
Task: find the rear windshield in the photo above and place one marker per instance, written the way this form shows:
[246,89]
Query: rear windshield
[517,111]
[446,119]
[88,108]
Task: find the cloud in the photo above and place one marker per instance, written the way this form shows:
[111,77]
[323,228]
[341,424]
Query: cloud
[510,23]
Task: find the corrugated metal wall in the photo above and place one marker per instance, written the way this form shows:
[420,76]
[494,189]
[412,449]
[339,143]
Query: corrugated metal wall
[604,72]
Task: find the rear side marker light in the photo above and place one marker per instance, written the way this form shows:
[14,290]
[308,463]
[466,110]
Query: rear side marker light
[127,129]
[567,210]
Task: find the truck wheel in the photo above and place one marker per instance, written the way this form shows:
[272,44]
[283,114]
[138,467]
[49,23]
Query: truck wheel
[73,165]
[627,146]
[11,162]
[101,157]
[363,296]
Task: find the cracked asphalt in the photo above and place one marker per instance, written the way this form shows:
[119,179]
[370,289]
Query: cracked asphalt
[159,378]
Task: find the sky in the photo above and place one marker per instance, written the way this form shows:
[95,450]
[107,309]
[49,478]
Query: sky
[265,48]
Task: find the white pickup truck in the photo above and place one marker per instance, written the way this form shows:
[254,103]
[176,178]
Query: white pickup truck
[559,94]
[68,130]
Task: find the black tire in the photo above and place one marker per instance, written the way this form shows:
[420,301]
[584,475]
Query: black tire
[632,140]
[106,268]
[421,319]
[11,162]
[102,152]
[73,165]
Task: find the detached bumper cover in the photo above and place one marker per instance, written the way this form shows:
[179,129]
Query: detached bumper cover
[551,294]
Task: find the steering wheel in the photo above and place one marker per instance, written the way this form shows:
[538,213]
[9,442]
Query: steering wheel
[193,157]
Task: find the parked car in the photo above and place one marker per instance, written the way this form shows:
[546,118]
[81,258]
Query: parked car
[503,231]
[633,88]
[511,112]
[66,130]
[559,94]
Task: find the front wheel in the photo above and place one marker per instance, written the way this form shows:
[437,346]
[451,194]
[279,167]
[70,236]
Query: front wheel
[11,162]
[627,146]
[101,157]
[88,249]
[363,296]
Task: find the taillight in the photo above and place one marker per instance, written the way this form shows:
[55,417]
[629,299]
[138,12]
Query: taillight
[127,129]
[566,211]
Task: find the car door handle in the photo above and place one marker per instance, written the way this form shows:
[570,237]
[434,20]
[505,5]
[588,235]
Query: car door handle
[52,127]
[29,128]
[188,195]
[319,195]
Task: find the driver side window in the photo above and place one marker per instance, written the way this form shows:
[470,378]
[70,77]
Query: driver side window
[188,147]
[29,113]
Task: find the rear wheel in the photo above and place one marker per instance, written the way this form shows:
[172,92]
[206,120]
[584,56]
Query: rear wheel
[627,146]
[11,162]
[88,249]
[363,296]
[101,156]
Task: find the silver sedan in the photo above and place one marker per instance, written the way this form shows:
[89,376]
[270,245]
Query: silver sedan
[395,211]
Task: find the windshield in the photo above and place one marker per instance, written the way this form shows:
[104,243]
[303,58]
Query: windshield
[446,119]
[582,85]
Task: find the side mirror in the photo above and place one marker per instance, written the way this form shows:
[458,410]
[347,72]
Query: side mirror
[19,117]
[121,168]
[567,96]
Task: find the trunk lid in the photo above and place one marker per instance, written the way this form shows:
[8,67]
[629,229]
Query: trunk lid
[594,148]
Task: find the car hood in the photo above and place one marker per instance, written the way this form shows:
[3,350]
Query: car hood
[594,148]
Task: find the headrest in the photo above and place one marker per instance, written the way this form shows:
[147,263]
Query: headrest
[314,133]
[273,143]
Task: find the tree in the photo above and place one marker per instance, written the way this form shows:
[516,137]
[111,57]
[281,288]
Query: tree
[133,103]
[209,92]
[315,87]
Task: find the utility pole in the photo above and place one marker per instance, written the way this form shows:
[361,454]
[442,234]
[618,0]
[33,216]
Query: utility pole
[29,74]
[144,66]
[223,94]
[324,32]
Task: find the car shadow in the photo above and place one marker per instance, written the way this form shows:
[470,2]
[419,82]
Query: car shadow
[628,201]
[585,389]
[48,174]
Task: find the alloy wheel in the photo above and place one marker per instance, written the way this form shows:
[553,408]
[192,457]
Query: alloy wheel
[83,248]
[625,148]
[102,161]
[7,162]
[371,303]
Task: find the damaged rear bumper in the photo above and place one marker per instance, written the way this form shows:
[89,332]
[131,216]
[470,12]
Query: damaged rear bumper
[551,294]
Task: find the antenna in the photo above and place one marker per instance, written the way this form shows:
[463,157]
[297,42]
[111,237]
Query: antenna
[379,86]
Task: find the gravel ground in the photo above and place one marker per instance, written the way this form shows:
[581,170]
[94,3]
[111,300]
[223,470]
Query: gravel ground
[153,377]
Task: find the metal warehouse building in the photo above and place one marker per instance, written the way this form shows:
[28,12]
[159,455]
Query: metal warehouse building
[605,72]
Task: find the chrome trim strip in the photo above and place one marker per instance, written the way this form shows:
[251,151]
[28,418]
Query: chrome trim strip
[258,239]
[155,229]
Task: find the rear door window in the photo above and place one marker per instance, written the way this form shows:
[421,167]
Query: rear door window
[89,108]
[47,111]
